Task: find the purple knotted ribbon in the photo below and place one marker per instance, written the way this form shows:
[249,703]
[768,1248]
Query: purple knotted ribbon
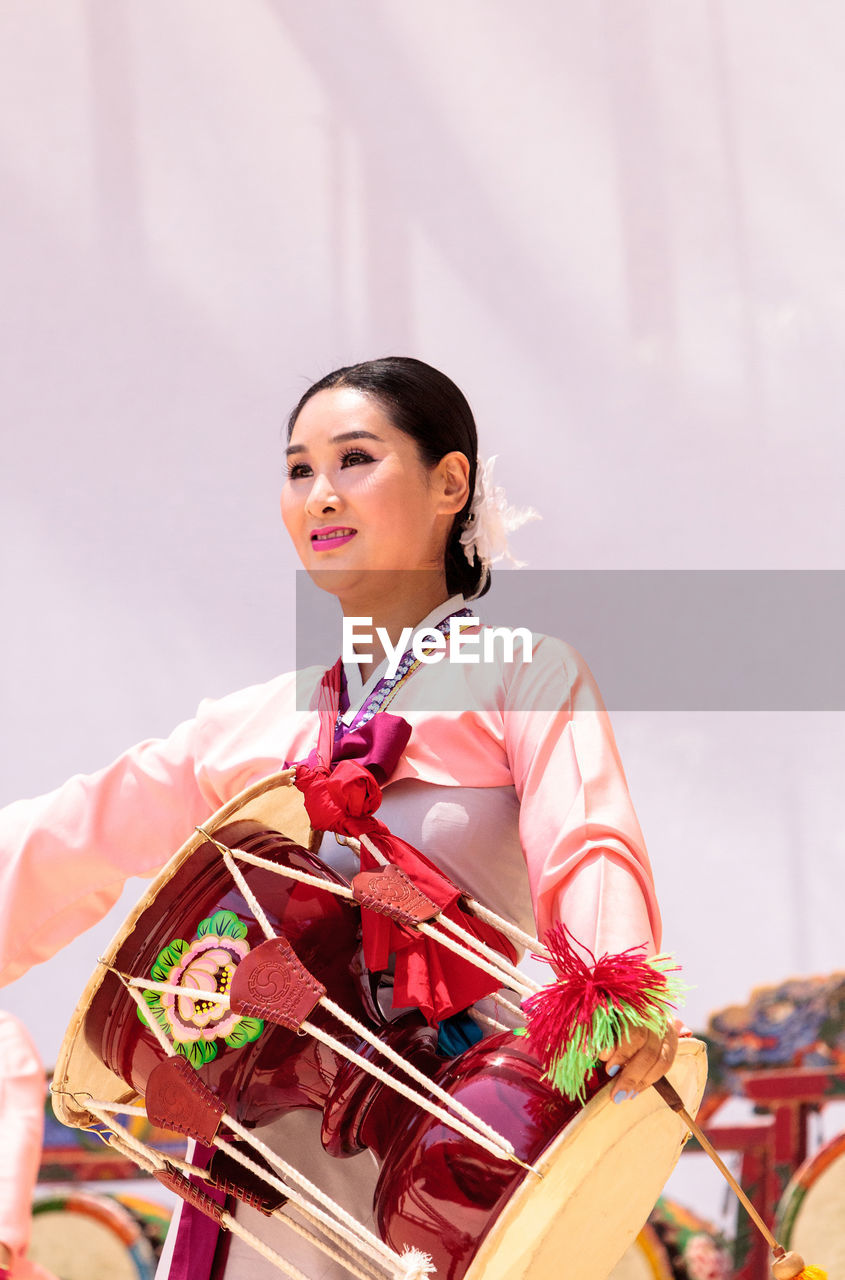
[378,745]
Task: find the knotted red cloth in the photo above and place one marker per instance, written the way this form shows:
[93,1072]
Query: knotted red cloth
[426,974]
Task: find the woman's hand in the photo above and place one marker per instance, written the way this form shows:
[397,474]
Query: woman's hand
[640,1059]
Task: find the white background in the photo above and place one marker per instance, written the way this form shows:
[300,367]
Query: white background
[618,226]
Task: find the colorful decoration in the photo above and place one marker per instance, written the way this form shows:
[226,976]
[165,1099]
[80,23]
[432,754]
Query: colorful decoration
[205,964]
[696,1249]
[791,1266]
[593,1005]
[796,1023]
[491,518]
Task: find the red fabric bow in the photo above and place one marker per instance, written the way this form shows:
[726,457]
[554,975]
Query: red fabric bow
[426,975]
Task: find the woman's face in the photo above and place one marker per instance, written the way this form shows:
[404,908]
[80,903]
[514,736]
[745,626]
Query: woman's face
[358,497]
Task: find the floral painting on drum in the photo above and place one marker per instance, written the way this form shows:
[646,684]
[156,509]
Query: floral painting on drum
[206,964]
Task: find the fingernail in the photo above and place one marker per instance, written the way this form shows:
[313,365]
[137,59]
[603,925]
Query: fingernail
[622,1095]
[614,1070]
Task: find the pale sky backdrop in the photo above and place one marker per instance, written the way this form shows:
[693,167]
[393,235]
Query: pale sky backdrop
[617,225]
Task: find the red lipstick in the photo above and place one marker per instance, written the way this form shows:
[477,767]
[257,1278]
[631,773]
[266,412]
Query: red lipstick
[331,536]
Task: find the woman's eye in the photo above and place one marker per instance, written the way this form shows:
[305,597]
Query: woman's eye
[297,470]
[352,457]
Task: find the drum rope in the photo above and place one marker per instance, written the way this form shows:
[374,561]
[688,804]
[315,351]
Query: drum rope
[288,1170]
[519,979]
[474,951]
[332,1216]
[350,1241]
[110,1109]
[117,1108]
[150,1159]
[499,1143]
[255,1242]
[515,1009]
[149,1019]
[507,973]
[304,877]
[509,929]
[257,910]
[478,1016]
[452,944]
[415,1074]
[344,1219]
[495,1144]
[371,849]
[171,989]
[363,1272]
[331,1223]
[279,869]
[122,1140]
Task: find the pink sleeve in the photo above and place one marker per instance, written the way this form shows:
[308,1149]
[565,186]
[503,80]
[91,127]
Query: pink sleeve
[65,856]
[587,862]
[22,1090]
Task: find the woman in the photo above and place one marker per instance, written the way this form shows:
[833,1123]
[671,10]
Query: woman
[384,506]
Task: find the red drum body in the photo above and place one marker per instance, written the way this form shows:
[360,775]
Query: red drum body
[439,1192]
[262,1077]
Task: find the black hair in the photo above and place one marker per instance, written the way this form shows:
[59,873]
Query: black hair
[427,406]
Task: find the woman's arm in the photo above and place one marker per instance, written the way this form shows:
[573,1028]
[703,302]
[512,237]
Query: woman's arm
[586,857]
[585,853]
[65,856]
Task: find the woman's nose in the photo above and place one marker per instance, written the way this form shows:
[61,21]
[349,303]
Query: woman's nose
[322,497]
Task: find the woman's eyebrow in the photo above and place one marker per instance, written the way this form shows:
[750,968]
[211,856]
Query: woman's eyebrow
[339,439]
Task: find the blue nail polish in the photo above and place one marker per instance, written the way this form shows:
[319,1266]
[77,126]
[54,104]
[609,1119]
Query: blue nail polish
[614,1070]
[622,1095]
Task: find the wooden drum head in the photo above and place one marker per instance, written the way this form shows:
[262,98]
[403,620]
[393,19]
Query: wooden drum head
[601,1178]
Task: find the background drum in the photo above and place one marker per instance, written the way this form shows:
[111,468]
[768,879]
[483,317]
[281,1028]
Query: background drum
[81,1236]
[676,1244]
[811,1214]
[645,1259]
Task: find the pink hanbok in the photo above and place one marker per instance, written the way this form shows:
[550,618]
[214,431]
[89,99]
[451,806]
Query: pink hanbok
[511,782]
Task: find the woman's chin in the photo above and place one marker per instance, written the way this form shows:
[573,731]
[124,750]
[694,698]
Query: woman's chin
[364,591]
[336,581]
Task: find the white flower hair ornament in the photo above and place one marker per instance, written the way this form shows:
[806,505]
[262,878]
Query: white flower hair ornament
[491,519]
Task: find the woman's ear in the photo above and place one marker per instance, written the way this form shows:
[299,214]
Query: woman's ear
[452,478]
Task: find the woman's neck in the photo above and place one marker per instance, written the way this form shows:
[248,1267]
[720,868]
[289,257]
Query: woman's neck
[392,609]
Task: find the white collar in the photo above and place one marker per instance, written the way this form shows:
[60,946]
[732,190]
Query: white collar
[357,691]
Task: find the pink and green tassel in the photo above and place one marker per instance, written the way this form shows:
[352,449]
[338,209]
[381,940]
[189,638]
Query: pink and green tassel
[593,1004]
